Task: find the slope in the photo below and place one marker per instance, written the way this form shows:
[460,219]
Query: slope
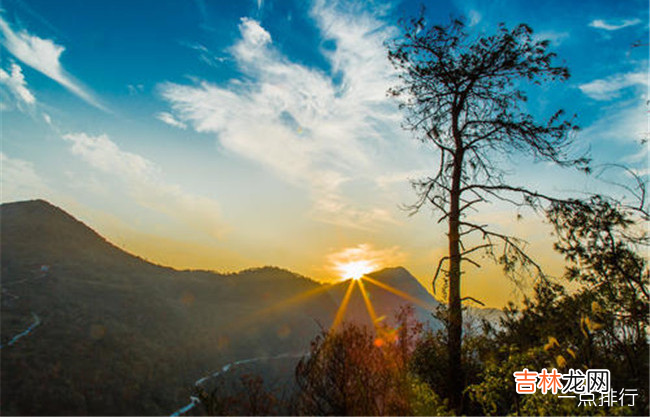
[118,335]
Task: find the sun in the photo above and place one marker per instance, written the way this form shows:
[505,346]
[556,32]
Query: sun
[355,269]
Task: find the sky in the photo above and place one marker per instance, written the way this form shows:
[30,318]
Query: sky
[226,135]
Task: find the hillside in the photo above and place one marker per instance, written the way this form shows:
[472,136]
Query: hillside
[406,290]
[101,331]
[118,335]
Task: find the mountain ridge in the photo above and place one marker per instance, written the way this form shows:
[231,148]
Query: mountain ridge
[118,334]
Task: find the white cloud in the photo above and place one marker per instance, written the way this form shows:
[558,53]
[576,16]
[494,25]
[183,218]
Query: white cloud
[105,155]
[474,17]
[317,130]
[602,24]
[625,123]
[44,56]
[143,179]
[206,55]
[19,180]
[556,38]
[135,89]
[170,120]
[610,87]
[15,81]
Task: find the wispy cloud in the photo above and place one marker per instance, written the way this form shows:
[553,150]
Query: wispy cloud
[20,181]
[135,89]
[403,177]
[206,55]
[316,130]
[44,56]
[15,82]
[371,257]
[474,17]
[613,25]
[170,120]
[203,12]
[555,37]
[143,179]
[612,86]
[622,123]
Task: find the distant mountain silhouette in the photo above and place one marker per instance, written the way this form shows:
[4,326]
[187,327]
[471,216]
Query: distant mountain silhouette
[119,335]
[384,302]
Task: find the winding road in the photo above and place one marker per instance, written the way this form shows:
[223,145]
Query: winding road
[194,401]
[25,332]
[37,321]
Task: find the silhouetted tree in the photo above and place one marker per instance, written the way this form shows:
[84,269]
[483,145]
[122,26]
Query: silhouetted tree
[604,241]
[462,95]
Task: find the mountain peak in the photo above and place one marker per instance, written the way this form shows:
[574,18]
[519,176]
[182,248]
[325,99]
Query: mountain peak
[401,279]
[30,205]
[392,272]
[37,227]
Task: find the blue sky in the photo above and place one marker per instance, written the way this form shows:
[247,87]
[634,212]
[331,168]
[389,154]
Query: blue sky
[216,134]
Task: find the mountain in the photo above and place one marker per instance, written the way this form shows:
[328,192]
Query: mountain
[89,329]
[118,335]
[390,289]
[387,291]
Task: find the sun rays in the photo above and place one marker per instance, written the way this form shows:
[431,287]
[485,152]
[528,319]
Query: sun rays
[356,275]
[300,298]
[399,293]
[366,300]
[354,282]
[340,313]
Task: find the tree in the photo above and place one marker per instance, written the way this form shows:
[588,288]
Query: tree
[461,94]
[245,395]
[604,242]
[602,323]
[356,371]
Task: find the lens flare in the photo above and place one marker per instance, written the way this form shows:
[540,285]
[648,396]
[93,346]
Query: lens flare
[355,269]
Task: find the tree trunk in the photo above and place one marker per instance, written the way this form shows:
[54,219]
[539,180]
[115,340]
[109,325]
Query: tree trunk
[455,320]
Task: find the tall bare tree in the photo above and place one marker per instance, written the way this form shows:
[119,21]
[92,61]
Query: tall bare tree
[463,95]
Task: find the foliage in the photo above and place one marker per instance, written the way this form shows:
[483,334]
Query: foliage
[429,364]
[356,371]
[495,393]
[600,325]
[462,95]
[248,396]
[602,243]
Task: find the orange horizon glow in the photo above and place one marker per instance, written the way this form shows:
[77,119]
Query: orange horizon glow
[328,263]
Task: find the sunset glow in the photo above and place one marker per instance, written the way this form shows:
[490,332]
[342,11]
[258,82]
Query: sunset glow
[335,165]
[356,269]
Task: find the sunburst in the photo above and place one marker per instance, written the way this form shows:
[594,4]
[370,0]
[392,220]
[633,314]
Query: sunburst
[355,269]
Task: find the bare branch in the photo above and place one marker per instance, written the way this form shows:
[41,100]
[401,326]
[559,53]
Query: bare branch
[435,277]
[472,299]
